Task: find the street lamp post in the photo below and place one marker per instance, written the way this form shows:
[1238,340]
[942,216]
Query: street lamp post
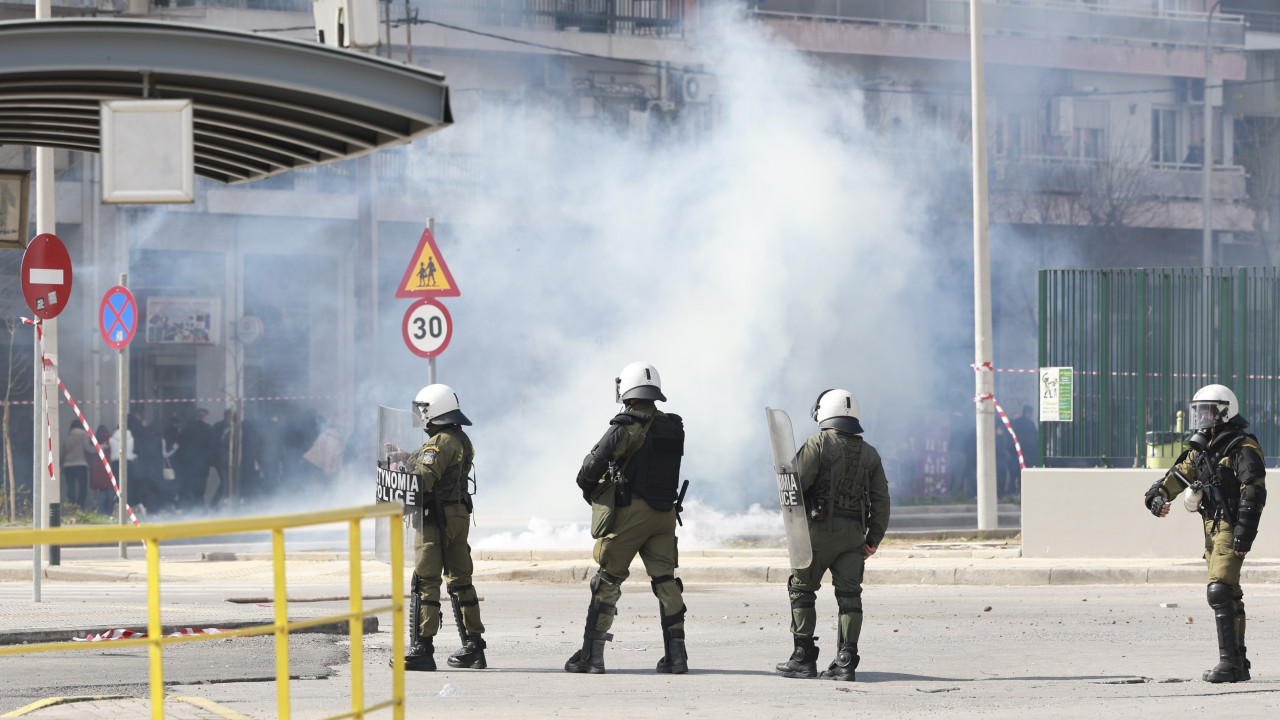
[1206,171]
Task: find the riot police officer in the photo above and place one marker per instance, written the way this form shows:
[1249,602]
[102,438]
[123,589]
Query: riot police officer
[848,500]
[1222,476]
[635,467]
[444,463]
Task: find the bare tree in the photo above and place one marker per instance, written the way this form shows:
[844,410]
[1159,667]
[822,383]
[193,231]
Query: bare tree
[1107,193]
[1257,148]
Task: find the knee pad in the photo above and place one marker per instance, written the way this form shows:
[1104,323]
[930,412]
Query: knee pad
[603,577]
[849,603]
[1219,595]
[655,582]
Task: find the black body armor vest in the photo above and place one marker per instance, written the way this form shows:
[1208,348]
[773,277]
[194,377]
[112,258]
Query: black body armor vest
[654,470]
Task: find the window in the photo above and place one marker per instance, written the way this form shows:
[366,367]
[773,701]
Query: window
[1089,132]
[1164,135]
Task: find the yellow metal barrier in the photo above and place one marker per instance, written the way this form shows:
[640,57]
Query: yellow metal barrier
[151,535]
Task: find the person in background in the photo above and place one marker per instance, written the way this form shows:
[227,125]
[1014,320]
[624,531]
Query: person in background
[76,451]
[99,478]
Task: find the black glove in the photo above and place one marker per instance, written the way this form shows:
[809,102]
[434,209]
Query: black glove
[1154,501]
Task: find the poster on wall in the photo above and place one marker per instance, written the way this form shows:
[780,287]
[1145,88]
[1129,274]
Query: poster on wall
[183,320]
[1055,394]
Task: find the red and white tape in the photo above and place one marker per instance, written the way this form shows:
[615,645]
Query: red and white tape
[88,428]
[153,401]
[124,634]
[987,367]
[45,364]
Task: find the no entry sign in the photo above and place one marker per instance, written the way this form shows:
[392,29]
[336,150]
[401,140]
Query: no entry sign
[118,317]
[46,276]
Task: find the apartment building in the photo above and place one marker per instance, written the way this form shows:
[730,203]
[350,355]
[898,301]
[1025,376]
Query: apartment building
[1095,120]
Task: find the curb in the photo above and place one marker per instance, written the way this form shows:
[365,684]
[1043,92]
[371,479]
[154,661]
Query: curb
[21,637]
[900,574]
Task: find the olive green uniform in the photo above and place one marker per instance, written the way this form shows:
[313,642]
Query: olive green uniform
[444,463]
[848,496]
[638,528]
[1234,474]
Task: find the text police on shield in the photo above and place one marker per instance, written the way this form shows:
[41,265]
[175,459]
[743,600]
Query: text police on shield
[397,486]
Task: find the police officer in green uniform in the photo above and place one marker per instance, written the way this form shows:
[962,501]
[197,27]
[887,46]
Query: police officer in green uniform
[638,460]
[1223,476]
[444,463]
[848,499]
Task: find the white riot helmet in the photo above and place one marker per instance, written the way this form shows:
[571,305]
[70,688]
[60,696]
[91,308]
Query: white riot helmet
[437,405]
[837,409]
[1213,406]
[639,380]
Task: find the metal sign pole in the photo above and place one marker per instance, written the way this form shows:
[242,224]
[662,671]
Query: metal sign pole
[124,444]
[36,495]
[431,362]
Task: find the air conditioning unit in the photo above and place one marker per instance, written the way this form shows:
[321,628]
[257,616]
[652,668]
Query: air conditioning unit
[688,88]
[346,23]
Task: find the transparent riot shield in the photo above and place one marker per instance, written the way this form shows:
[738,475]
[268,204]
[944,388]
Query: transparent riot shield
[395,428]
[794,518]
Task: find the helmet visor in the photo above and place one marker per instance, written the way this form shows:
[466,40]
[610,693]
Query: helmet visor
[1207,414]
[420,414]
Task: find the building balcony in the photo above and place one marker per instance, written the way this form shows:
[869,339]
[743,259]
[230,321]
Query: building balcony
[659,18]
[1147,180]
[1025,18]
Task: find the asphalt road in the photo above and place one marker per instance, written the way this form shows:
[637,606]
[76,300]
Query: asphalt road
[927,651]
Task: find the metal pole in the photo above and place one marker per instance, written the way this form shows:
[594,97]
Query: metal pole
[45,223]
[125,445]
[36,495]
[1206,172]
[431,362]
[984,383]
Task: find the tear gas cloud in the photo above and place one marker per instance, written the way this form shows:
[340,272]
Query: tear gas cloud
[785,251]
[773,258]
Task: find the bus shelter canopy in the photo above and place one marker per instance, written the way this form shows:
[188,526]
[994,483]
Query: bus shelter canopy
[262,105]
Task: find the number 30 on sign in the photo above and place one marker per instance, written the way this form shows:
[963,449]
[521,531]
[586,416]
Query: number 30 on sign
[427,328]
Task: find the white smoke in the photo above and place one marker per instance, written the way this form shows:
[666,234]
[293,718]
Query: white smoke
[776,257]
[704,527]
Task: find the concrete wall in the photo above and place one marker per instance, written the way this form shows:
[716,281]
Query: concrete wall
[1098,513]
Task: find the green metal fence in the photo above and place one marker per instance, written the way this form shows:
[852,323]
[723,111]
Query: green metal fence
[1142,341]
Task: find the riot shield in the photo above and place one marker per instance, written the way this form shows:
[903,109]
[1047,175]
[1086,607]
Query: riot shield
[794,518]
[395,427]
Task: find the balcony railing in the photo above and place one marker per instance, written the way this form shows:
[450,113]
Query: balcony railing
[1147,179]
[1030,18]
[661,18]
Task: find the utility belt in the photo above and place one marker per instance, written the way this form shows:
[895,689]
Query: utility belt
[465,501]
[821,513]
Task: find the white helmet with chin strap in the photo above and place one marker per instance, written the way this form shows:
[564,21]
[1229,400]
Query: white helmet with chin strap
[639,381]
[1213,406]
[437,405]
[837,409]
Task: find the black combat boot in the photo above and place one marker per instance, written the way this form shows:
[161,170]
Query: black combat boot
[421,657]
[470,655]
[676,660]
[803,662]
[590,659]
[1231,664]
[843,666]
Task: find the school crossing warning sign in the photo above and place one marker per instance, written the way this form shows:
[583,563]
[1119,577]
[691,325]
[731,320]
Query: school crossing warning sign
[427,275]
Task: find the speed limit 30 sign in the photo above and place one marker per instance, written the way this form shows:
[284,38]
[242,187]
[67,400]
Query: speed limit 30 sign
[427,328]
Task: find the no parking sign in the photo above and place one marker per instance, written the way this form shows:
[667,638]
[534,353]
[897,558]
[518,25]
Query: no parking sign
[118,317]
